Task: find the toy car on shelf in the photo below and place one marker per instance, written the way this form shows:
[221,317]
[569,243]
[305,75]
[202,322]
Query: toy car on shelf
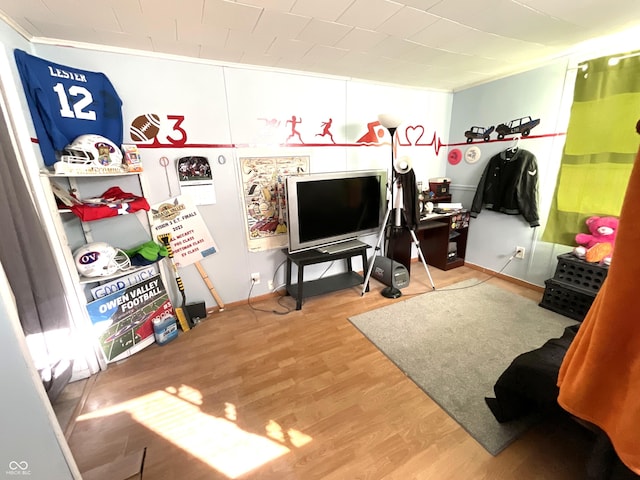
[478,132]
[521,125]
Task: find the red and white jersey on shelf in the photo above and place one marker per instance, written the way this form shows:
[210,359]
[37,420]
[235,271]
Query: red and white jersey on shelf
[111,203]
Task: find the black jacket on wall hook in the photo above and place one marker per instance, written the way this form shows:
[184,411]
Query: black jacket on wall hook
[509,184]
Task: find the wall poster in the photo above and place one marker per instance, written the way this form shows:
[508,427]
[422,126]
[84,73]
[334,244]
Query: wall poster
[196,179]
[264,202]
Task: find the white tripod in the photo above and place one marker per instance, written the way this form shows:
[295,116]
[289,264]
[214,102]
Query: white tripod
[397,224]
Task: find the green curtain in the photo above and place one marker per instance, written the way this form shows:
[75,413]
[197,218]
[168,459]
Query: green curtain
[600,146]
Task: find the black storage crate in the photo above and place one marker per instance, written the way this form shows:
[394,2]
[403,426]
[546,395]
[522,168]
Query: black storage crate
[572,302]
[576,272]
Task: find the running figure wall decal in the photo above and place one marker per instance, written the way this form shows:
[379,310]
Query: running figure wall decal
[326,126]
[294,133]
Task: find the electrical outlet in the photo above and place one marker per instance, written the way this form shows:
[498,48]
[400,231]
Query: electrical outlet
[519,252]
[270,285]
[255,278]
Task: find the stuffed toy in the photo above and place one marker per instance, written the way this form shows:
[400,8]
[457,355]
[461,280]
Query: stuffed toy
[597,246]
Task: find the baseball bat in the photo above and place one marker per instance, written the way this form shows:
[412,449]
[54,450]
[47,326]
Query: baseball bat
[205,277]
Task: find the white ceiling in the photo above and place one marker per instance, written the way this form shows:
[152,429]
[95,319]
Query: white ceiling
[438,44]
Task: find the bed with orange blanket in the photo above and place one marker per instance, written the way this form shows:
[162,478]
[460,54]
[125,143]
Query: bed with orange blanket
[599,379]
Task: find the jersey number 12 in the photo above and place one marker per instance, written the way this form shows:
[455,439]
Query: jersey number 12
[79,107]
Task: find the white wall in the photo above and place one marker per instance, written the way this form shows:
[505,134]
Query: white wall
[545,93]
[224,110]
[493,236]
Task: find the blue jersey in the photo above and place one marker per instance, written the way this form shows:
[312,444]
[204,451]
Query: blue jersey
[66,102]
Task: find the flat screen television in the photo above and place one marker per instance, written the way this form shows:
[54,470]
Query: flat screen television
[328,208]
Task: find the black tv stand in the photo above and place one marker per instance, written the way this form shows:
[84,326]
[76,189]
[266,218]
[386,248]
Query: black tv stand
[339,281]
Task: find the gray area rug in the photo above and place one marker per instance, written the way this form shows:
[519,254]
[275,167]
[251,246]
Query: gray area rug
[454,343]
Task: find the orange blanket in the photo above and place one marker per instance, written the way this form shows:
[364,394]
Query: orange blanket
[599,378]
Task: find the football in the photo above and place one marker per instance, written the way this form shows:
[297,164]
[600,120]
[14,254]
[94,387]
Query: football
[145,127]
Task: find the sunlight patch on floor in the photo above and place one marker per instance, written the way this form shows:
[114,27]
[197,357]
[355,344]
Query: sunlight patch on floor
[176,415]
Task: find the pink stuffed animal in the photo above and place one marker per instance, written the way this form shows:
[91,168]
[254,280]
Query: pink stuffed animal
[598,245]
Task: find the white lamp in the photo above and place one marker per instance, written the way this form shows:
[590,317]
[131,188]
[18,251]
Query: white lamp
[389,121]
[392,122]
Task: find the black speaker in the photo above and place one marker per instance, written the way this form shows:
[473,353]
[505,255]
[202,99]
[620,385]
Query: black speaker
[390,272]
[197,311]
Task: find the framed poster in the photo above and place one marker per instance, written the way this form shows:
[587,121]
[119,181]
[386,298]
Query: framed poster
[264,201]
[123,320]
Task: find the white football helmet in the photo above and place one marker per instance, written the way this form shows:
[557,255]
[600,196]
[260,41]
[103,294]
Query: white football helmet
[92,150]
[99,259]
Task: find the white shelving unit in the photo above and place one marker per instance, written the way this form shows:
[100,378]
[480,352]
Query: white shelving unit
[123,231]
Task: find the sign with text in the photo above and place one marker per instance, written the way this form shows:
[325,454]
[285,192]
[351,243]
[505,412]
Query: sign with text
[123,320]
[190,239]
[123,282]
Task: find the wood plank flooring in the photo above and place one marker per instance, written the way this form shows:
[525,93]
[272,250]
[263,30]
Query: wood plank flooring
[255,394]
